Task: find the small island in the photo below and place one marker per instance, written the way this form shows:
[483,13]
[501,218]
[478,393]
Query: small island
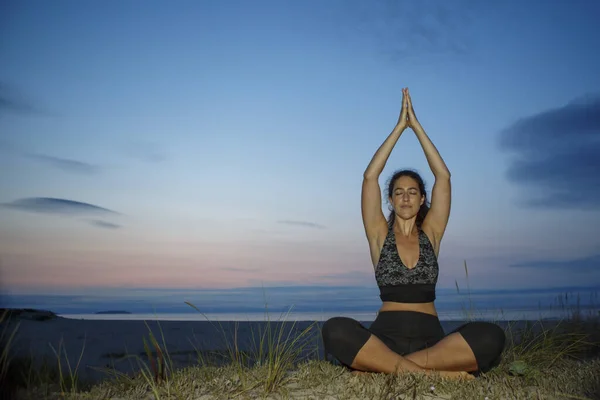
[113,312]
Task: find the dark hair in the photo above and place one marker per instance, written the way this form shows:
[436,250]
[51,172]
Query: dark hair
[424,207]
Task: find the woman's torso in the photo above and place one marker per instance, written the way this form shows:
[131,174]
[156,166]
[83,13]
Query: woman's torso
[409,250]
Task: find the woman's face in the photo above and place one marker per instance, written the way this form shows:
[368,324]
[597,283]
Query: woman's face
[406,197]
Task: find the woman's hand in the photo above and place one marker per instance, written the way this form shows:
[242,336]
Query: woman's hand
[412,120]
[403,119]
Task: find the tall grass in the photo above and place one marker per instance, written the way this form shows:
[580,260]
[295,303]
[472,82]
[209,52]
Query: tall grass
[275,348]
[41,375]
[68,383]
[470,312]
[6,339]
[534,346]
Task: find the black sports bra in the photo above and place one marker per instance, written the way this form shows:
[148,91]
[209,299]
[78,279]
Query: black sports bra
[402,284]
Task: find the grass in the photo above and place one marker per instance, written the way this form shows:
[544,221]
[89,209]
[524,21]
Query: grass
[542,360]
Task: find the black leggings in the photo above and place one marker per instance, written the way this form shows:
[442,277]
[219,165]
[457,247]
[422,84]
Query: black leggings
[406,332]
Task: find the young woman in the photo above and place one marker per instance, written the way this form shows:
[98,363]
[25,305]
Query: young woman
[407,334]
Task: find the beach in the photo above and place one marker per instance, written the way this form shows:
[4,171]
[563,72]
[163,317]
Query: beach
[103,343]
[271,359]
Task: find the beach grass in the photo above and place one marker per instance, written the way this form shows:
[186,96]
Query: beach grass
[541,360]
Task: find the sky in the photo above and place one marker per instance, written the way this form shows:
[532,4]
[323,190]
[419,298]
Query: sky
[221,144]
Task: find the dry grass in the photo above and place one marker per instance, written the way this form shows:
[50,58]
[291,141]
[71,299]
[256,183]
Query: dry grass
[321,380]
[541,361]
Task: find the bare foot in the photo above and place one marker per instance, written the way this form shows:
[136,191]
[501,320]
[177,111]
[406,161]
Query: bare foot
[461,375]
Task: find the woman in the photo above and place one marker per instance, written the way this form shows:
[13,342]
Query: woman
[407,334]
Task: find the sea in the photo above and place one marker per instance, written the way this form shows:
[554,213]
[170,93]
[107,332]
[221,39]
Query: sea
[306,303]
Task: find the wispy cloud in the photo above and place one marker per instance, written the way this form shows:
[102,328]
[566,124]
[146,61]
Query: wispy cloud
[417,30]
[14,102]
[302,223]
[65,164]
[104,224]
[585,264]
[556,158]
[14,105]
[146,151]
[51,205]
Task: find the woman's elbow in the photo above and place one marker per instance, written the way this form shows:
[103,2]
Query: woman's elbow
[443,175]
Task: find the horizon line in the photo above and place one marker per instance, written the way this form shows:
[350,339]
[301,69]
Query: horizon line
[39,292]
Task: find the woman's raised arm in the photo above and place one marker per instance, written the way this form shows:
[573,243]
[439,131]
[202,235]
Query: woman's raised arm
[439,212]
[373,219]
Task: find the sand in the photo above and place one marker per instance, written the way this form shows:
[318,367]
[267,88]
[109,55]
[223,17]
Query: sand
[103,343]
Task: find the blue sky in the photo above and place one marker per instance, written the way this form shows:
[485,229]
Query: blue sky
[221,144]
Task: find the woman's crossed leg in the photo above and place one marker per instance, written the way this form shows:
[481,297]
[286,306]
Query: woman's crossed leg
[471,348]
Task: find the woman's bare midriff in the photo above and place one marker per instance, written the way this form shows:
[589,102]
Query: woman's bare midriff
[427,308]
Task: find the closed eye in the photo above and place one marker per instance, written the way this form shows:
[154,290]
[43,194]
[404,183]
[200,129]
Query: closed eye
[410,192]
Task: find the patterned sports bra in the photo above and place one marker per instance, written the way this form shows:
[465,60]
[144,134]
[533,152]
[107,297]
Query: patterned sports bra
[402,284]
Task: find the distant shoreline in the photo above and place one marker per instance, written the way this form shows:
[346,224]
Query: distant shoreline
[27,314]
[112,312]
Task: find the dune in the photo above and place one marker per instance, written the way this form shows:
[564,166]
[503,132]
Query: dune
[118,345]
[105,343]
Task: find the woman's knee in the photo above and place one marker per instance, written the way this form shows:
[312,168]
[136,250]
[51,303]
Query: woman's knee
[339,330]
[334,328]
[343,338]
[487,342]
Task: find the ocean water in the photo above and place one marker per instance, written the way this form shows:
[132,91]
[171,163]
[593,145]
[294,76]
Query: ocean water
[305,303]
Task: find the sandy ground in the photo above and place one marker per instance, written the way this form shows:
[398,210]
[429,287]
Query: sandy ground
[104,342]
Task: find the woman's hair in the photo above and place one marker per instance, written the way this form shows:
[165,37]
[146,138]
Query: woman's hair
[424,207]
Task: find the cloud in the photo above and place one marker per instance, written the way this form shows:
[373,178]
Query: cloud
[414,30]
[14,105]
[65,164]
[13,102]
[302,223]
[104,224]
[147,152]
[555,155]
[51,205]
[585,264]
